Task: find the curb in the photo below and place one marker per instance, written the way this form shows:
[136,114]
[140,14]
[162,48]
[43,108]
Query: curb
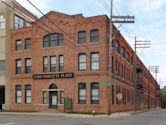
[114,115]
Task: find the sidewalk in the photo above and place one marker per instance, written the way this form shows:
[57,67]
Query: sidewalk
[113,115]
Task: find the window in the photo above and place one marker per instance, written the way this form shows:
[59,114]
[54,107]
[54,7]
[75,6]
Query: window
[52,63]
[94,93]
[81,37]
[28,24]
[123,52]
[28,94]
[116,65]
[18,66]
[117,91]
[45,64]
[18,22]
[61,63]
[94,61]
[112,94]
[18,45]
[82,61]
[18,94]
[112,64]
[2,21]
[117,47]
[61,97]
[94,36]
[28,65]
[127,57]
[28,44]
[52,40]
[44,97]
[82,93]
[2,66]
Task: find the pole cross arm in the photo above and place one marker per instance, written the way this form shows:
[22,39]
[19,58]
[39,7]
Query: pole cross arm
[123,19]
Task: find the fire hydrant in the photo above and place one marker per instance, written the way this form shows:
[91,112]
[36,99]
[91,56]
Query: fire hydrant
[93,112]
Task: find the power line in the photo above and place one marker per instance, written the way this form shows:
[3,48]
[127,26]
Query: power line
[38,25]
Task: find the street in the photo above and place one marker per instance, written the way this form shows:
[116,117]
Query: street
[154,117]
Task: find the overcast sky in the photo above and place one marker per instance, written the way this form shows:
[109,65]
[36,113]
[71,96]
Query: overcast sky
[149,23]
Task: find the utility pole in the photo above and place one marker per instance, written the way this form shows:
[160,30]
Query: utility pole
[113,19]
[154,69]
[139,44]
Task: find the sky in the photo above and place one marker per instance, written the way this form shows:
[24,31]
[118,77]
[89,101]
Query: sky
[150,20]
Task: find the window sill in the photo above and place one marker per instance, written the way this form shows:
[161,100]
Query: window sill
[94,43]
[18,51]
[27,50]
[53,47]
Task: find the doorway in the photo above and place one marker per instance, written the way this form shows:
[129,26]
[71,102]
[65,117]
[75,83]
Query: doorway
[2,96]
[53,97]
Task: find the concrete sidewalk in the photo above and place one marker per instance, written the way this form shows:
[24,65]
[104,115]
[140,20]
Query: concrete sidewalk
[113,115]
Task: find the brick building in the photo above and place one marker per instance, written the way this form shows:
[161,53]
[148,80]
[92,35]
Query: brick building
[50,65]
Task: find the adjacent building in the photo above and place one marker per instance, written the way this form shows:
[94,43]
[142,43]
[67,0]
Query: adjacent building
[12,16]
[67,57]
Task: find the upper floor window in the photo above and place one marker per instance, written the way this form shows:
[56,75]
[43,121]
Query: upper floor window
[28,65]
[28,24]
[82,61]
[82,93]
[94,36]
[18,22]
[18,45]
[127,57]
[28,44]
[45,64]
[117,47]
[18,66]
[18,94]
[123,52]
[52,40]
[2,21]
[52,63]
[61,63]
[81,37]
[28,94]
[95,61]
[94,93]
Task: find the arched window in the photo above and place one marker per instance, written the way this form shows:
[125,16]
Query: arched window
[82,93]
[52,86]
[28,94]
[52,40]
[94,93]
[18,94]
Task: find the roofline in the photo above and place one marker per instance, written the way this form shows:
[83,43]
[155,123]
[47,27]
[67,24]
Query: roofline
[15,2]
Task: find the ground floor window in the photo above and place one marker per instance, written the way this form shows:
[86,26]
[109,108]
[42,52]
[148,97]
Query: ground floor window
[44,97]
[18,94]
[94,93]
[82,93]
[62,97]
[28,94]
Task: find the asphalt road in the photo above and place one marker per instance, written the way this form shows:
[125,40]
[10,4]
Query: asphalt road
[155,117]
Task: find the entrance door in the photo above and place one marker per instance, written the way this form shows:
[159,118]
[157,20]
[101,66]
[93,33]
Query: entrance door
[2,96]
[53,100]
[53,97]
